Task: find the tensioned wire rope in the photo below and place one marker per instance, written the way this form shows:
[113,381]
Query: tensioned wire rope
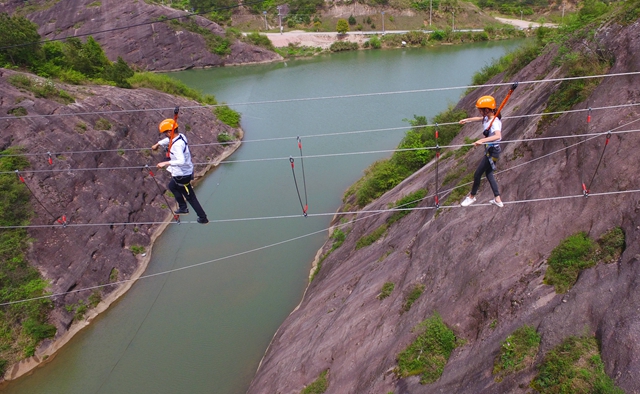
[444,193]
[336,97]
[371,212]
[568,136]
[54,153]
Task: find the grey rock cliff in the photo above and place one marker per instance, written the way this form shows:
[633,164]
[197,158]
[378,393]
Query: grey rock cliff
[75,258]
[483,264]
[143,45]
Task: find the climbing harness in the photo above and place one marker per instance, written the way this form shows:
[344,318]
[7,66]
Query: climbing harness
[173,130]
[492,159]
[506,98]
[176,217]
[437,200]
[62,220]
[304,206]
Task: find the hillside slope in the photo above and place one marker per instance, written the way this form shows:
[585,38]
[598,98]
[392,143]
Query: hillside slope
[483,267]
[143,45]
[99,146]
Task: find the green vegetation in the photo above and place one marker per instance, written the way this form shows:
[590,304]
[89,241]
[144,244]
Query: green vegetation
[224,138]
[413,153]
[260,40]
[407,202]
[578,252]
[216,44]
[574,366]
[164,83]
[22,325]
[113,275]
[517,351]
[338,236]
[296,50]
[340,46]
[413,295]
[18,111]
[318,386]
[430,351]
[95,298]
[460,189]
[342,26]
[102,124]
[136,249]
[227,116]
[372,237]
[40,88]
[386,290]
[374,42]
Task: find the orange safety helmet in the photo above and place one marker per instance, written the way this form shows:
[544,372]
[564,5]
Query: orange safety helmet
[167,125]
[486,102]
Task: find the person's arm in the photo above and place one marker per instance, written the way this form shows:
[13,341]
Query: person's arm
[177,150]
[473,119]
[163,142]
[496,136]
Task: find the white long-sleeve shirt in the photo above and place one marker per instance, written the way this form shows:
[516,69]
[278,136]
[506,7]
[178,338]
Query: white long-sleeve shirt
[179,156]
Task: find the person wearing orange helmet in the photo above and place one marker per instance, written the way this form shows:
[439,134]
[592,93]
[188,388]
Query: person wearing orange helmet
[492,127]
[181,169]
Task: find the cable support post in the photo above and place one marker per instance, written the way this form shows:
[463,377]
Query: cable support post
[436,199]
[589,116]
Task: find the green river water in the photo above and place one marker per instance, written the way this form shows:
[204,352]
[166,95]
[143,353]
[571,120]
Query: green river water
[204,329]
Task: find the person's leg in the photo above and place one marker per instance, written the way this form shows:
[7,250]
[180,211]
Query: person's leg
[492,181]
[176,189]
[190,195]
[482,168]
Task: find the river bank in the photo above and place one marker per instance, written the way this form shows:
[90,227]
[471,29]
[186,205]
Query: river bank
[46,352]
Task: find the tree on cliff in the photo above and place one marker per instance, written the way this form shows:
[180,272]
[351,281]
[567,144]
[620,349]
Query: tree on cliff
[19,41]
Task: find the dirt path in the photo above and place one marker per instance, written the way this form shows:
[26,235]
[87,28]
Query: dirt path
[311,39]
[522,24]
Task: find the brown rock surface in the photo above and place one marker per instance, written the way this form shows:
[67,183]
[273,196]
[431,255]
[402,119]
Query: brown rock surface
[483,264]
[144,45]
[74,258]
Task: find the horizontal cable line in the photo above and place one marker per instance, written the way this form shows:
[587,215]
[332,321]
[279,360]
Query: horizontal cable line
[553,198]
[49,153]
[325,155]
[336,97]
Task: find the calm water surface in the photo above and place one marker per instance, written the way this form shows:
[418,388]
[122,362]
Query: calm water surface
[204,329]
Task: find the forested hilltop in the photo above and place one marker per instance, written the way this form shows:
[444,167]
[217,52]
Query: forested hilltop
[416,294]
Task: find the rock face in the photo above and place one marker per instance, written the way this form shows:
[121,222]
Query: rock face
[129,33]
[482,266]
[112,147]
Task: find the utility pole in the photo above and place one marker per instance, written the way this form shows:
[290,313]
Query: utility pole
[453,24]
[382,22]
[430,10]
[266,27]
[520,14]
[280,19]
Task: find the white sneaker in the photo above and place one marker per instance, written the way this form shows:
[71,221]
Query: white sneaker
[498,204]
[468,201]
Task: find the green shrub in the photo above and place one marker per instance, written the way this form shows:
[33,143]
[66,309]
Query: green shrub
[386,290]
[318,386]
[260,40]
[413,295]
[164,83]
[375,43]
[371,238]
[574,366]
[102,124]
[567,260]
[227,116]
[340,46]
[429,353]
[38,330]
[215,44]
[136,249]
[224,138]
[407,202]
[17,111]
[517,351]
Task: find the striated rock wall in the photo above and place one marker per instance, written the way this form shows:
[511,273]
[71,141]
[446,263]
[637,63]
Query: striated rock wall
[482,264]
[143,45]
[74,258]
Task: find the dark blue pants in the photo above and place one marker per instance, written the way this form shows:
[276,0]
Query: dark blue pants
[181,188]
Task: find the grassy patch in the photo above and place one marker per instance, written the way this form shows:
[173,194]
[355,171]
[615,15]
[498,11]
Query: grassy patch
[407,202]
[260,40]
[41,88]
[102,124]
[318,386]
[574,366]
[338,237]
[215,44]
[429,353]
[294,50]
[136,249]
[17,111]
[227,116]
[386,290]
[413,295]
[578,252]
[372,237]
[517,351]
[459,191]
[164,83]
[340,46]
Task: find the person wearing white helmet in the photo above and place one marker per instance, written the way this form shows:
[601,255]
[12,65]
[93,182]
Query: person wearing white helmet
[492,127]
[180,167]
